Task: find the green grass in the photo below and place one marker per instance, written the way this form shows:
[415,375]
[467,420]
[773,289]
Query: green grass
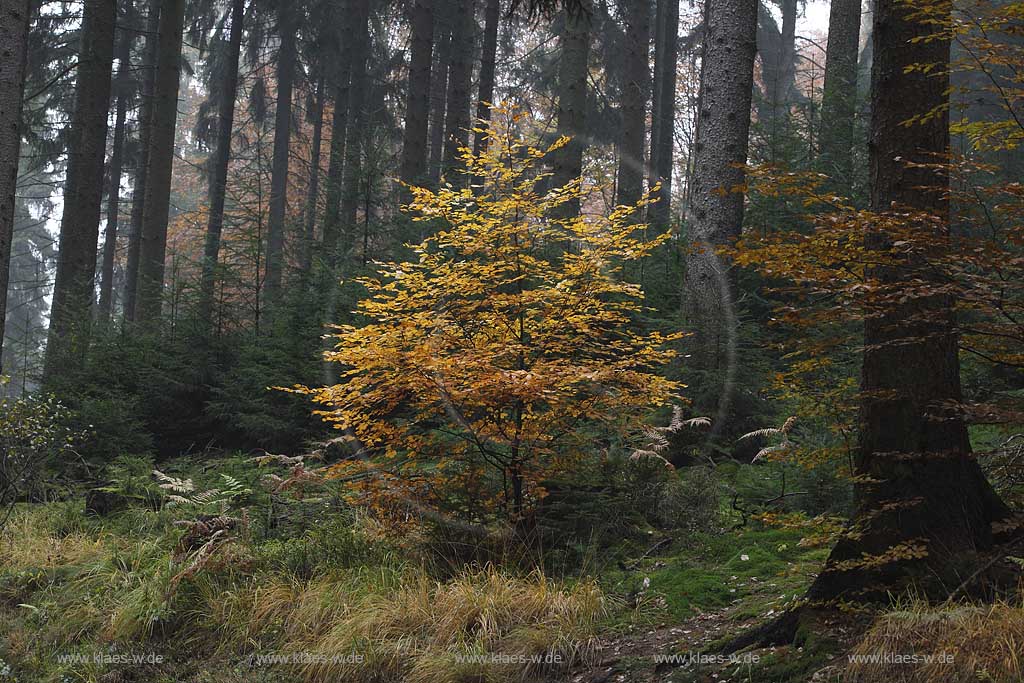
[756,568]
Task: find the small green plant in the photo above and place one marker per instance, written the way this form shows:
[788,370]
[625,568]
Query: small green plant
[33,434]
[129,476]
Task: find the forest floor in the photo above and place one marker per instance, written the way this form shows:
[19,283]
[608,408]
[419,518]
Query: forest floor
[223,604]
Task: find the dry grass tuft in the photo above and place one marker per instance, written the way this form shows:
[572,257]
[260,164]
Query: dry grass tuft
[953,645]
[26,543]
[520,628]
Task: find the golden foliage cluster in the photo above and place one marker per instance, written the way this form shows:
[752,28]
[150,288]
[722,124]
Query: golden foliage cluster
[508,345]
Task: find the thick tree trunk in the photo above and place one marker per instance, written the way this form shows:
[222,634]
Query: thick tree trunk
[341,80]
[351,198]
[155,216]
[145,123]
[14,23]
[716,203]
[123,87]
[838,104]
[417,103]
[488,60]
[70,315]
[663,112]
[635,94]
[286,60]
[460,76]
[218,169]
[443,21]
[920,487]
[573,74]
[313,188]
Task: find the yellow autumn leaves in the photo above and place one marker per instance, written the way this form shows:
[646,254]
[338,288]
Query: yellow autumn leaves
[510,343]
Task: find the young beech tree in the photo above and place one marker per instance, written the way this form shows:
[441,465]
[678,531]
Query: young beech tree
[498,347]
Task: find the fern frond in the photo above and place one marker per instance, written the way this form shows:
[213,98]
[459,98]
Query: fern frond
[768,450]
[695,422]
[768,431]
[173,483]
[641,454]
[655,439]
[676,423]
[286,460]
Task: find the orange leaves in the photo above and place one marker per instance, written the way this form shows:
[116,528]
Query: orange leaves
[509,342]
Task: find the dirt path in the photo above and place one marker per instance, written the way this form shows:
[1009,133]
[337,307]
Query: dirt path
[637,656]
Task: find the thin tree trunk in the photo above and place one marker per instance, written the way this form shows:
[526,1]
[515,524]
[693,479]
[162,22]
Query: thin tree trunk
[460,76]
[635,94]
[573,74]
[787,85]
[488,61]
[351,198]
[664,110]
[145,123]
[439,88]
[70,314]
[839,101]
[286,59]
[123,85]
[776,46]
[918,483]
[336,160]
[716,205]
[417,103]
[156,213]
[14,25]
[218,170]
[313,190]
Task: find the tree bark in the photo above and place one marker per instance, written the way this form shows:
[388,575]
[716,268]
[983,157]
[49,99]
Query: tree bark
[123,87]
[920,484]
[573,74]
[70,315]
[777,48]
[156,212]
[313,189]
[460,76]
[663,110]
[838,103]
[218,170]
[488,61]
[443,21]
[351,198]
[716,202]
[286,60]
[145,123]
[14,25]
[341,80]
[635,94]
[417,103]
